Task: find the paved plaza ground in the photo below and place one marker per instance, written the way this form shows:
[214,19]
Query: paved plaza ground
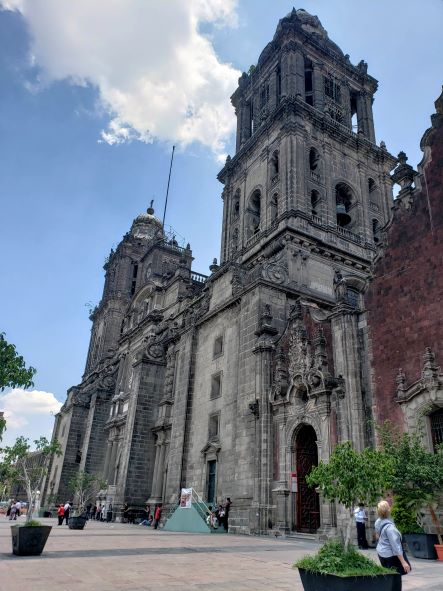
[120,557]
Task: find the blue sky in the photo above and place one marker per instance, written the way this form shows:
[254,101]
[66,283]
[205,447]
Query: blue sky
[83,91]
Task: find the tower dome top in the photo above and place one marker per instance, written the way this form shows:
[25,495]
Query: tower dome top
[147,225]
[310,24]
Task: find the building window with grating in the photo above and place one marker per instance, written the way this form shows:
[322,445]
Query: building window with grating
[332,89]
[216,385]
[218,347]
[214,426]
[437,428]
[353,297]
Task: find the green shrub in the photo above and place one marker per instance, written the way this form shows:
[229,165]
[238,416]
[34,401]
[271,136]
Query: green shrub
[32,523]
[405,517]
[334,559]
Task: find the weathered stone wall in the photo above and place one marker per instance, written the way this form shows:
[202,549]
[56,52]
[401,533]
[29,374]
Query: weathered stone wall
[94,446]
[140,461]
[71,457]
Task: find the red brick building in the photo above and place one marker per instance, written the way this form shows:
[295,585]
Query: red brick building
[405,298]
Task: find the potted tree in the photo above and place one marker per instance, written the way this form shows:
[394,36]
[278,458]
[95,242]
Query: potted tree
[349,477]
[85,487]
[420,544]
[20,465]
[416,479]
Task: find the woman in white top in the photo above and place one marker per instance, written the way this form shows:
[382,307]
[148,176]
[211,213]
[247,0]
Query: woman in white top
[389,547]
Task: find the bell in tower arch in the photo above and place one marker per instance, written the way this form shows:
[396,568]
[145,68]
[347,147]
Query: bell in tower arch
[343,200]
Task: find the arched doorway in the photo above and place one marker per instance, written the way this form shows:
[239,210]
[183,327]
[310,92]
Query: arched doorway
[305,502]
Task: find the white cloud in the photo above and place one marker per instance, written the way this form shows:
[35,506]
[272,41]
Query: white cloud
[28,413]
[158,76]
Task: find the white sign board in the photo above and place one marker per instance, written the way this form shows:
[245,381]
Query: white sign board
[186,498]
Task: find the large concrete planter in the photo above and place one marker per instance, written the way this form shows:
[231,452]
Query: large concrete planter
[422,545]
[29,541]
[317,582]
[77,522]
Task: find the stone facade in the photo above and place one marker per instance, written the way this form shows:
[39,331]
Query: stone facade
[238,383]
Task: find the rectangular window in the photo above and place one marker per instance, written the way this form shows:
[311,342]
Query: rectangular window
[218,346]
[332,89]
[125,406]
[216,385]
[214,426]
[264,96]
[437,428]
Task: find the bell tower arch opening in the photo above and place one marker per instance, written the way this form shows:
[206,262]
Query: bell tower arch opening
[344,200]
[253,217]
[305,514]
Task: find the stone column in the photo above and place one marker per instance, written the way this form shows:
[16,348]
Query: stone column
[346,103]
[113,457]
[365,215]
[361,124]
[300,181]
[273,99]
[329,214]
[347,364]
[299,74]
[368,120]
[245,118]
[318,86]
[107,459]
[292,74]
[263,352]
[159,469]
[238,114]
[285,73]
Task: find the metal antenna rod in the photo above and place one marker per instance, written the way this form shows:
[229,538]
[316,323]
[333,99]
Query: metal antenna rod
[167,190]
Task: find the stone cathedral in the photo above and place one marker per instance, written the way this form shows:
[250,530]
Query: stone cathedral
[237,383]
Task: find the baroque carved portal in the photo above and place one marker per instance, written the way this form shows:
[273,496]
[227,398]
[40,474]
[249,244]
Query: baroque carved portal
[301,368]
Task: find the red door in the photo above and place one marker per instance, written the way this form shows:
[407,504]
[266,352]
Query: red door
[307,503]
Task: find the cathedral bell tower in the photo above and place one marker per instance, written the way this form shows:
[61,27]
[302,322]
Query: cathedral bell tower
[124,276]
[306,158]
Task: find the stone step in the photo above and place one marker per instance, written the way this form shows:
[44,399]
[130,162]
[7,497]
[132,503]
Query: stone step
[295,535]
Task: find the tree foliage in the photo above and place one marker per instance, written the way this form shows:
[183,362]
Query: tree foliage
[85,487]
[415,472]
[20,465]
[2,425]
[350,477]
[13,371]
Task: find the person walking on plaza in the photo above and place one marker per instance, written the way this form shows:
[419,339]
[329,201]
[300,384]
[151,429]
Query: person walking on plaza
[157,516]
[13,512]
[389,548]
[360,522]
[60,514]
[67,509]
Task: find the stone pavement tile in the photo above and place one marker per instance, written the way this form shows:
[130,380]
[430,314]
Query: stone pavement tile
[119,557]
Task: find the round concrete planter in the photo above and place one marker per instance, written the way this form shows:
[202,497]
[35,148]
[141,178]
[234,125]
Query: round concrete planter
[78,522]
[29,541]
[317,582]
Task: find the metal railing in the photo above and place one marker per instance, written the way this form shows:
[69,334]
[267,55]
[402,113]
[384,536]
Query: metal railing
[200,505]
